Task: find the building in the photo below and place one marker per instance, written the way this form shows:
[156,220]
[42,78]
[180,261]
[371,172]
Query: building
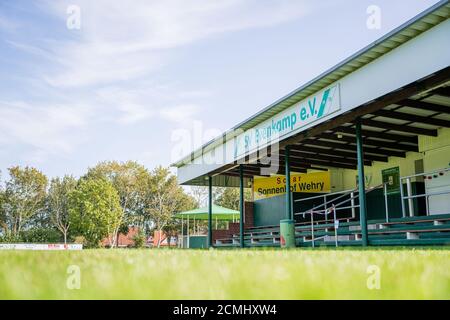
[368,142]
[123,240]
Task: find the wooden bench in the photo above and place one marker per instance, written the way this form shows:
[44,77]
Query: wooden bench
[435,219]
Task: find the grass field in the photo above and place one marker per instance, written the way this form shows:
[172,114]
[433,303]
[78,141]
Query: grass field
[227,274]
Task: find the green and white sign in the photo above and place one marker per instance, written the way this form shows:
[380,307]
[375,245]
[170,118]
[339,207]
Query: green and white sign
[290,121]
[391,177]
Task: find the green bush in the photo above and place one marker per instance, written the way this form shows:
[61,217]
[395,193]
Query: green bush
[10,239]
[41,235]
[139,240]
[80,240]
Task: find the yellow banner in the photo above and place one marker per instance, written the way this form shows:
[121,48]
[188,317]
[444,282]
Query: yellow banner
[318,182]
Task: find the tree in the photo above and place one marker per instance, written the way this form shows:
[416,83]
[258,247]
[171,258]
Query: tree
[94,211]
[23,197]
[3,217]
[165,198]
[58,203]
[230,198]
[172,229]
[200,194]
[129,179]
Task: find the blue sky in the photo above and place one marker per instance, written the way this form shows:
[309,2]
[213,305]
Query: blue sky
[137,75]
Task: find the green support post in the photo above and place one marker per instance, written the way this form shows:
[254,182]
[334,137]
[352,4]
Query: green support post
[241,205]
[210,242]
[361,185]
[287,155]
[287,226]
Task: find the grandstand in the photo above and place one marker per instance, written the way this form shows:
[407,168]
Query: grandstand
[373,132]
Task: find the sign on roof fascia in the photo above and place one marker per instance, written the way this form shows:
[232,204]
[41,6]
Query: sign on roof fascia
[289,121]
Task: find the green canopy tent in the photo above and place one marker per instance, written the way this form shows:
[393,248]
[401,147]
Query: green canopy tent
[201,214]
[218,212]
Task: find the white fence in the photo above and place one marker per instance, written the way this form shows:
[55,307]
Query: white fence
[42,247]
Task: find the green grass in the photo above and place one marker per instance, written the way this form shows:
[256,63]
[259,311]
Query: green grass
[227,274]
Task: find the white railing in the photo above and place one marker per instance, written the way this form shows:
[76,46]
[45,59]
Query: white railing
[326,202]
[352,194]
[409,197]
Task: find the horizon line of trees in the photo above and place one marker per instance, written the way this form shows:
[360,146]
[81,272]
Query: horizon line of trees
[104,202]
[111,197]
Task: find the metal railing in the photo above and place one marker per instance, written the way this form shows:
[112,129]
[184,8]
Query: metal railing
[325,204]
[409,197]
[330,205]
[352,194]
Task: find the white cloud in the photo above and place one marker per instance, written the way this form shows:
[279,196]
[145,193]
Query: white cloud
[47,129]
[119,45]
[119,41]
[7,24]
[30,49]
[87,64]
[147,100]
[180,113]
[130,103]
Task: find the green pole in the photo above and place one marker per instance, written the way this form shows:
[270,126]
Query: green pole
[210,241]
[287,154]
[241,205]
[287,225]
[361,185]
